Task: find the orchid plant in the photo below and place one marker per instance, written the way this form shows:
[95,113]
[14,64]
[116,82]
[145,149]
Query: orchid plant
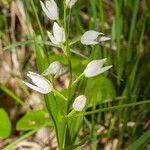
[72,102]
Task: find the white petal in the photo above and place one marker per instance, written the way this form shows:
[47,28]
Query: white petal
[53,68]
[105,69]
[59,33]
[90,37]
[104,38]
[40,81]
[45,10]
[52,38]
[79,103]
[70,3]
[94,68]
[52,8]
[38,89]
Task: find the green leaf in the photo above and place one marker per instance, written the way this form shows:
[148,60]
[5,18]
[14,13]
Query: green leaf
[33,120]
[74,125]
[140,142]
[5,124]
[99,89]
[41,57]
[12,95]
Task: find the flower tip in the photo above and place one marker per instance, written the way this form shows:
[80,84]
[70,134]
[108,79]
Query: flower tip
[70,3]
[104,38]
[30,73]
[48,32]
[110,66]
[24,82]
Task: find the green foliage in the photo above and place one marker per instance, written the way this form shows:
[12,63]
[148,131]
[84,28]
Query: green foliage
[12,95]
[140,142]
[99,89]
[5,124]
[33,120]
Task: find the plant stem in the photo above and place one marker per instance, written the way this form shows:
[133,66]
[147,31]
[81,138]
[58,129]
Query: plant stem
[67,48]
[77,80]
[37,18]
[93,136]
[71,113]
[59,94]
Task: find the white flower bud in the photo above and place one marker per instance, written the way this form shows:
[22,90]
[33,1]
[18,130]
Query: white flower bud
[50,9]
[90,37]
[55,68]
[70,3]
[95,67]
[79,103]
[41,84]
[59,34]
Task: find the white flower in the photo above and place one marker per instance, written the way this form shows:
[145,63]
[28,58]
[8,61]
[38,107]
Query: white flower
[55,68]
[95,68]
[90,37]
[50,9]
[59,34]
[70,3]
[41,84]
[79,103]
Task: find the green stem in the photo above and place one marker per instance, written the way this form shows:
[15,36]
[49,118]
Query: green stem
[69,21]
[59,94]
[77,80]
[12,144]
[71,113]
[67,48]
[37,18]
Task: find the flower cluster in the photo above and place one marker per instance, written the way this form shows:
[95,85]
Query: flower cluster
[55,69]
